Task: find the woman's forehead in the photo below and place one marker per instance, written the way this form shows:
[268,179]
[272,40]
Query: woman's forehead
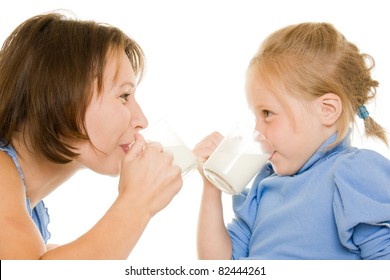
[118,69]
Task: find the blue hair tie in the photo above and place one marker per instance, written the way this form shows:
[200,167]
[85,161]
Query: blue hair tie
[363,113]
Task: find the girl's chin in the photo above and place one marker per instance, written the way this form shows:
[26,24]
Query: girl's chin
[283,171]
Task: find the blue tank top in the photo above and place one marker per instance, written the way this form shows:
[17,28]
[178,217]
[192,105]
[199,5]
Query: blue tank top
[39,213]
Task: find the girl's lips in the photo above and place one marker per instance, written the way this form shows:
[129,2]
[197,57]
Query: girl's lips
[271,156]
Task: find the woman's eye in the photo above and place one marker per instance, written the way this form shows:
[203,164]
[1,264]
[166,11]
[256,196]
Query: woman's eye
[124,97]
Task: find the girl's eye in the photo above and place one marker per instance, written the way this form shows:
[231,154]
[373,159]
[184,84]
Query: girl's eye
[124,97]
[267,113]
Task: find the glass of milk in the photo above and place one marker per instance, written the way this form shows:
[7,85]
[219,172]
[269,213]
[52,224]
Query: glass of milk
[163,133]
[236,160]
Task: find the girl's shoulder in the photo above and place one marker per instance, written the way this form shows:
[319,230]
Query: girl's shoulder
[363,171]
[361,202]
[361,161]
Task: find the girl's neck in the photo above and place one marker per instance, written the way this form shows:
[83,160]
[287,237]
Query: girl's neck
[41,176]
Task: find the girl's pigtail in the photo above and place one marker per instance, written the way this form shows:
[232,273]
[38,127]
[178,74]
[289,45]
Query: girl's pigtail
[372,128]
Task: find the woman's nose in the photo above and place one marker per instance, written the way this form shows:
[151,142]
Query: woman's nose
[139,120]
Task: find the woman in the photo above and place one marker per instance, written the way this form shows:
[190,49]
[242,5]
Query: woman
[67,102]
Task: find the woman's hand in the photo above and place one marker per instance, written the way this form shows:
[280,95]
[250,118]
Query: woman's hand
[148,178]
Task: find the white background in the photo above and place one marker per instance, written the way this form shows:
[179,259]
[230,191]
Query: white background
[197,53]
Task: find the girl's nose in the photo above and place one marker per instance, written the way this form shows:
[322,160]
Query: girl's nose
[265,145]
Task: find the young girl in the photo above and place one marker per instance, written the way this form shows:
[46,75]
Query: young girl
[319,197]
[67,102]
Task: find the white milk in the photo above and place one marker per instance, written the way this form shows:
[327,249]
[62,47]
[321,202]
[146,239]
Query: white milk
[182,157]
[232,172]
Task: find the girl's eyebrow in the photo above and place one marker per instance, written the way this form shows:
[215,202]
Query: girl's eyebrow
[127,84]
[260,107]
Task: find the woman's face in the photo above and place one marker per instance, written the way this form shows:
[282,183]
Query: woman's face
[112,118]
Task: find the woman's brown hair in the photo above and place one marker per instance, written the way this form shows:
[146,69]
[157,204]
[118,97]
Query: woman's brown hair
[48,66]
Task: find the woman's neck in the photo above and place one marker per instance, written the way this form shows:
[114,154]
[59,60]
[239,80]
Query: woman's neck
[42,176]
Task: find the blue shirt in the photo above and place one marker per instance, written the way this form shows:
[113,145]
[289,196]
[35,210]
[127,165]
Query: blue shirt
[336,207]
[39,213]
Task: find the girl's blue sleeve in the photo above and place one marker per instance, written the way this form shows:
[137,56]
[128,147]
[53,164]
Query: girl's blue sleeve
[240,229]
[362,203]
[245,207]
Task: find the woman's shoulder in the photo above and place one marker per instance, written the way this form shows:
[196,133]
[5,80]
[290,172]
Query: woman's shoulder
[11,185]
[7,165]
[20,235]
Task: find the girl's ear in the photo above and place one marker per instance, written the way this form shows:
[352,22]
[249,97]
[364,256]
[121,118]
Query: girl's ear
[330,108]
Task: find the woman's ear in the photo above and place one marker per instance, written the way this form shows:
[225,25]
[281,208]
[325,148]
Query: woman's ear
[330,108]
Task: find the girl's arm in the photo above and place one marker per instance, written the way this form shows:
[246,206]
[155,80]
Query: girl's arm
[213,241]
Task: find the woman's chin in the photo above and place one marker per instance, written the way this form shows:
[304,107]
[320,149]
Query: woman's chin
[112,171]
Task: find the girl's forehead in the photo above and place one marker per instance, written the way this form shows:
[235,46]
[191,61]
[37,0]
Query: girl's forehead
[258,90]
[261,95]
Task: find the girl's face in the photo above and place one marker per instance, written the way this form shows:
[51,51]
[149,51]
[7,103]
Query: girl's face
[294,134]
[112,118]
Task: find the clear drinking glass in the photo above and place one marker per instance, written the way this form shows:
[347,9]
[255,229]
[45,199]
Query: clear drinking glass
[163,133]
[237,159]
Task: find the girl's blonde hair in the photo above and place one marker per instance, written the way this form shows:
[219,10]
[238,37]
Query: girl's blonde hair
[312,59]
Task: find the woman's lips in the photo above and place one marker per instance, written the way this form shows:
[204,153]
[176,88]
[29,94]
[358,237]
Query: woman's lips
[127,147]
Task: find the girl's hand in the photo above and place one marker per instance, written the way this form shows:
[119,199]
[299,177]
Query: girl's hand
[148,179]
[205,148]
